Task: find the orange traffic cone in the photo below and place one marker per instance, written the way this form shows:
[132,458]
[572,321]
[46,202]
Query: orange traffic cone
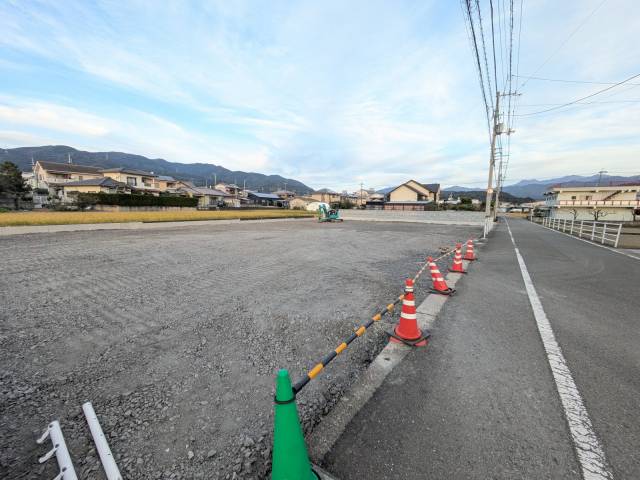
[470,254]
[407,331]
[457,260]
[439,285]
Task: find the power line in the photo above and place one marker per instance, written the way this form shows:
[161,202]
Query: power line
[484,48]
[474,44]
[580,99]
[567,81]
[580,103]
[575,30]
[493,44]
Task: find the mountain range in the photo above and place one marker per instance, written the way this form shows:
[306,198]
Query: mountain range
[534,189]
[198,173]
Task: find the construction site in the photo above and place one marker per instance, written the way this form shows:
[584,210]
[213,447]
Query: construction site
[175,336]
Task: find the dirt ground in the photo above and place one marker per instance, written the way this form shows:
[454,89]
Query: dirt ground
[176,336]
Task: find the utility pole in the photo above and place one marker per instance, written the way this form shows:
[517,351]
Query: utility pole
[600,176]
[492,159]
[361,185]
[500,176]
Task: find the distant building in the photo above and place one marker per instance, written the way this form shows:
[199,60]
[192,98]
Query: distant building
[606,203]
[285,194]
[137,180]
[266,200]
[413,195]
[230,188]
[209,198]
[301,203]
[165,183]
[49,175]
[326,196]
[70,190]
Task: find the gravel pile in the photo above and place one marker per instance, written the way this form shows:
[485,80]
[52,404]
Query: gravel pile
[176,336]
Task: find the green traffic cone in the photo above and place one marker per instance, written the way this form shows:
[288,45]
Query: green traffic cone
[290,460]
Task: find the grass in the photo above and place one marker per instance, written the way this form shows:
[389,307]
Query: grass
[67,218]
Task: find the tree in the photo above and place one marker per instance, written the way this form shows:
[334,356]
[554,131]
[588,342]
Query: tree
[11,183]
[574,212]
[597,214]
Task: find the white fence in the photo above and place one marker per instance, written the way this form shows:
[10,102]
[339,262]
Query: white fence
[603,232]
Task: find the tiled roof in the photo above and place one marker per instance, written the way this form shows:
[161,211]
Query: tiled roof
[68,167]
[210,191]
[94,182]
[132,171]
[432,187]
[265,196]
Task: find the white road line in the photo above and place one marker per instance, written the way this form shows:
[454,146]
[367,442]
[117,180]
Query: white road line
[589,242]
[588,449]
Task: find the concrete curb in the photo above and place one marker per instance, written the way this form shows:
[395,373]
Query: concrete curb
[324,436]
[412,220]
[85,227]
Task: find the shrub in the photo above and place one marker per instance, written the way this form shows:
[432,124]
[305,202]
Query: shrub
[126,200]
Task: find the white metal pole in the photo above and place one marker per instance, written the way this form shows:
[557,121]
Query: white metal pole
[593,231]
[60,450]
[580,231]
[604,231]
[618,236]
[571,231]
[106,457]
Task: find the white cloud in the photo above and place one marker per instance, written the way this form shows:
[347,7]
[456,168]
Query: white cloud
[331,93]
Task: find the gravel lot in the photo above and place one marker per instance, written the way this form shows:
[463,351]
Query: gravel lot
[176,335]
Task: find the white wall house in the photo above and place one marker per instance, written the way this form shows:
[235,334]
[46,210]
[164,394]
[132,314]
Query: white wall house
[606,203]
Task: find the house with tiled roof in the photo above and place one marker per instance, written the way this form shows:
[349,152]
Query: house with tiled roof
[413,195]
[70,190]
[52,174]
[140,180]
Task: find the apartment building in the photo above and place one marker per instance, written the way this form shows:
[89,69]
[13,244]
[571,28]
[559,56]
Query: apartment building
[610,203]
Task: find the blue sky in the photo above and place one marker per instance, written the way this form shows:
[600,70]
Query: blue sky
[332,93]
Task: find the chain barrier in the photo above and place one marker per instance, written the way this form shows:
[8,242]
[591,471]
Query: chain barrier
[300,384]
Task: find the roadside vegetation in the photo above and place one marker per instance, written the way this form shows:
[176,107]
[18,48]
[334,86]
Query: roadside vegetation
[66,218]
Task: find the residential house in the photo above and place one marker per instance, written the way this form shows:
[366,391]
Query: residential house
[285,194]
[70,190]
[326,196]
[266,199]
[301,203]
[605,203]
[50,175]
[413,195]
[138,180]
[166,183]
[209,198]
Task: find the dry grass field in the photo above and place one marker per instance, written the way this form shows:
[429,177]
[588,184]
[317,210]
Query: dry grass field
[66,218]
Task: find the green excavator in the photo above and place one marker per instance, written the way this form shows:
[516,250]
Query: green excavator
[328,215]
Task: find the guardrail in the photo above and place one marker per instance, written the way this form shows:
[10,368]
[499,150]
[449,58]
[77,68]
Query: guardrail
[603,232]
[594,203]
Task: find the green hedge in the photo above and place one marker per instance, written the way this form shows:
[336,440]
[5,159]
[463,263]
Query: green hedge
[126,200]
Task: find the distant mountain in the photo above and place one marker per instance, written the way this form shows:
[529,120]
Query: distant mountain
[457,188]
[482,195]
[535,188]
[384,191]
[199,173]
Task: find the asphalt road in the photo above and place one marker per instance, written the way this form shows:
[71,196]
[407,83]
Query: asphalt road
[481,401]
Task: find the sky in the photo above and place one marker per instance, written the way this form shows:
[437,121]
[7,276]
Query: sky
[331,93]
